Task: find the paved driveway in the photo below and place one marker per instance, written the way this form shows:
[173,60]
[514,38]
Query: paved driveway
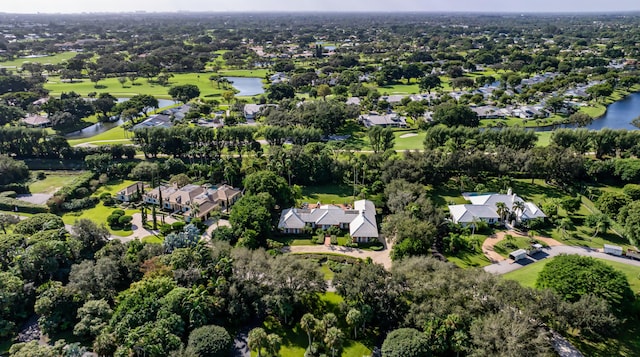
[508,265]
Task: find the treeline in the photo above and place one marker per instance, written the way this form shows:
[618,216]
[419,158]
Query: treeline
[461,136]
[327,116]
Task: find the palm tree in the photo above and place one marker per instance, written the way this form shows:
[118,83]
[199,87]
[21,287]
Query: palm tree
[308,323]
[502,210]
[354,318]
[474,224]
[564,225]
[273,343]
[333,339]
[195,209]
[256,339]
[518,208]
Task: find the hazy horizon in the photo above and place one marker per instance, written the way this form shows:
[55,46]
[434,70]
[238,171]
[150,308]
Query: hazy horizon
[437,6]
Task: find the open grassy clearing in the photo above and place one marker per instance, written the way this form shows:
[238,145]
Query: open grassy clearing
[55,59]
[117,133]
[52,182]
[142,86]
[257,73]
[412,140]
[326,194]
[544,138]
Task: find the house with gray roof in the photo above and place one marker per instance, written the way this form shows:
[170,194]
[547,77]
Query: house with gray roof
[485,207]
[389,120]
[359,220]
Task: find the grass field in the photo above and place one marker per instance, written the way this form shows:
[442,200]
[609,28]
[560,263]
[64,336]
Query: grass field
[410,142]
[327,194]
[142,86]
[53,181]
[55,59]
[527,275]
[544,138]
[257,73]
[118,133]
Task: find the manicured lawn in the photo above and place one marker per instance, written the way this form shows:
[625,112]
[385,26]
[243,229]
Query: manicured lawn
[505,246]
[527,275]
[466,259]
[142,86]
[257,73]
[53,181]
[409,142]
[327,194]
[100,212]
[544,138]
[152,240]
[118,133]
[55,59]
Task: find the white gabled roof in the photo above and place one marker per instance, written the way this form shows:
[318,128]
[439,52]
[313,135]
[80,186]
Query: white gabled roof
[290,219]
[467,213]
[363,227]
[532,211]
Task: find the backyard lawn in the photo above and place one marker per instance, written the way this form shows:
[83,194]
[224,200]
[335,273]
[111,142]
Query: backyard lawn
[327,194]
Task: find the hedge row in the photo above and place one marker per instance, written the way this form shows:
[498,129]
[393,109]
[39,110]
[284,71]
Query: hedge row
[10,204]
[71,189]
[18,188]
[80,204]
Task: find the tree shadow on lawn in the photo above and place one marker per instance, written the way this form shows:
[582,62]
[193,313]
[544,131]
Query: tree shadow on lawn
[528,190]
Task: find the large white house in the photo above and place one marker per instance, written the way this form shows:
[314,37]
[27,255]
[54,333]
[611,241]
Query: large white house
[485,207]
[360,220]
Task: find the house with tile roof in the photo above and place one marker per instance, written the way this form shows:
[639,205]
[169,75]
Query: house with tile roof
[193,201]
[360,220]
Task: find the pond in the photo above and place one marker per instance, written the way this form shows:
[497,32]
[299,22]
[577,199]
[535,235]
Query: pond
[98,128]
[248,86]
[619,114]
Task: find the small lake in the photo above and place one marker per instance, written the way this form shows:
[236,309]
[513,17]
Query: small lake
[98,128]
[248,86]
[619,114]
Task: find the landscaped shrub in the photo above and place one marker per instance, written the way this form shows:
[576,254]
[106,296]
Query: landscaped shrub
[11,204]
[114,219]
[165,229]
[80,204]
[19,188]
[125,222]
[71,190]
[320,240]
[11,194]
[119,212]
[39,222]
[177,226]
[106,199]
[334,240]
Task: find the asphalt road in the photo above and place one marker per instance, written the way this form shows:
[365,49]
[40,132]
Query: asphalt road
[508,265]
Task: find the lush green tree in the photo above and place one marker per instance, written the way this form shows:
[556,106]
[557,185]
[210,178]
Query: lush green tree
[573,276]
[209,341]
[257,339]
[323,91]
[7,220]
[309,323]
[253,213]
[415,110]
[90,236]
[333,338]
[145,171]
[405,342]
[184,93]
[429,83]
[12,171]
[381,139]
[455,114]
[599,222]
[94,317]
[31,349]
[56,305]
[279,91]
[13,303]
[269,182]
[355,318]
[610,203]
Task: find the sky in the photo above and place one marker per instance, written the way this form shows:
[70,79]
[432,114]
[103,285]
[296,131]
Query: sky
[77,6]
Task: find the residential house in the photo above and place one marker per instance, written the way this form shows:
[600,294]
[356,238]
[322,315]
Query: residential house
[193,200]
[485,207]
[391,120]
[353,101]
[359,220]
[36,121]
[130,193]
[488,112]
[155,121]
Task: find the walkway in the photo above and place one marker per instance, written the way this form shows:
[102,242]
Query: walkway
[381,257]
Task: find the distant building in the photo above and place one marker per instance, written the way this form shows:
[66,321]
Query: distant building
[37,121]
[130,192]
[484,207]
[391,120]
